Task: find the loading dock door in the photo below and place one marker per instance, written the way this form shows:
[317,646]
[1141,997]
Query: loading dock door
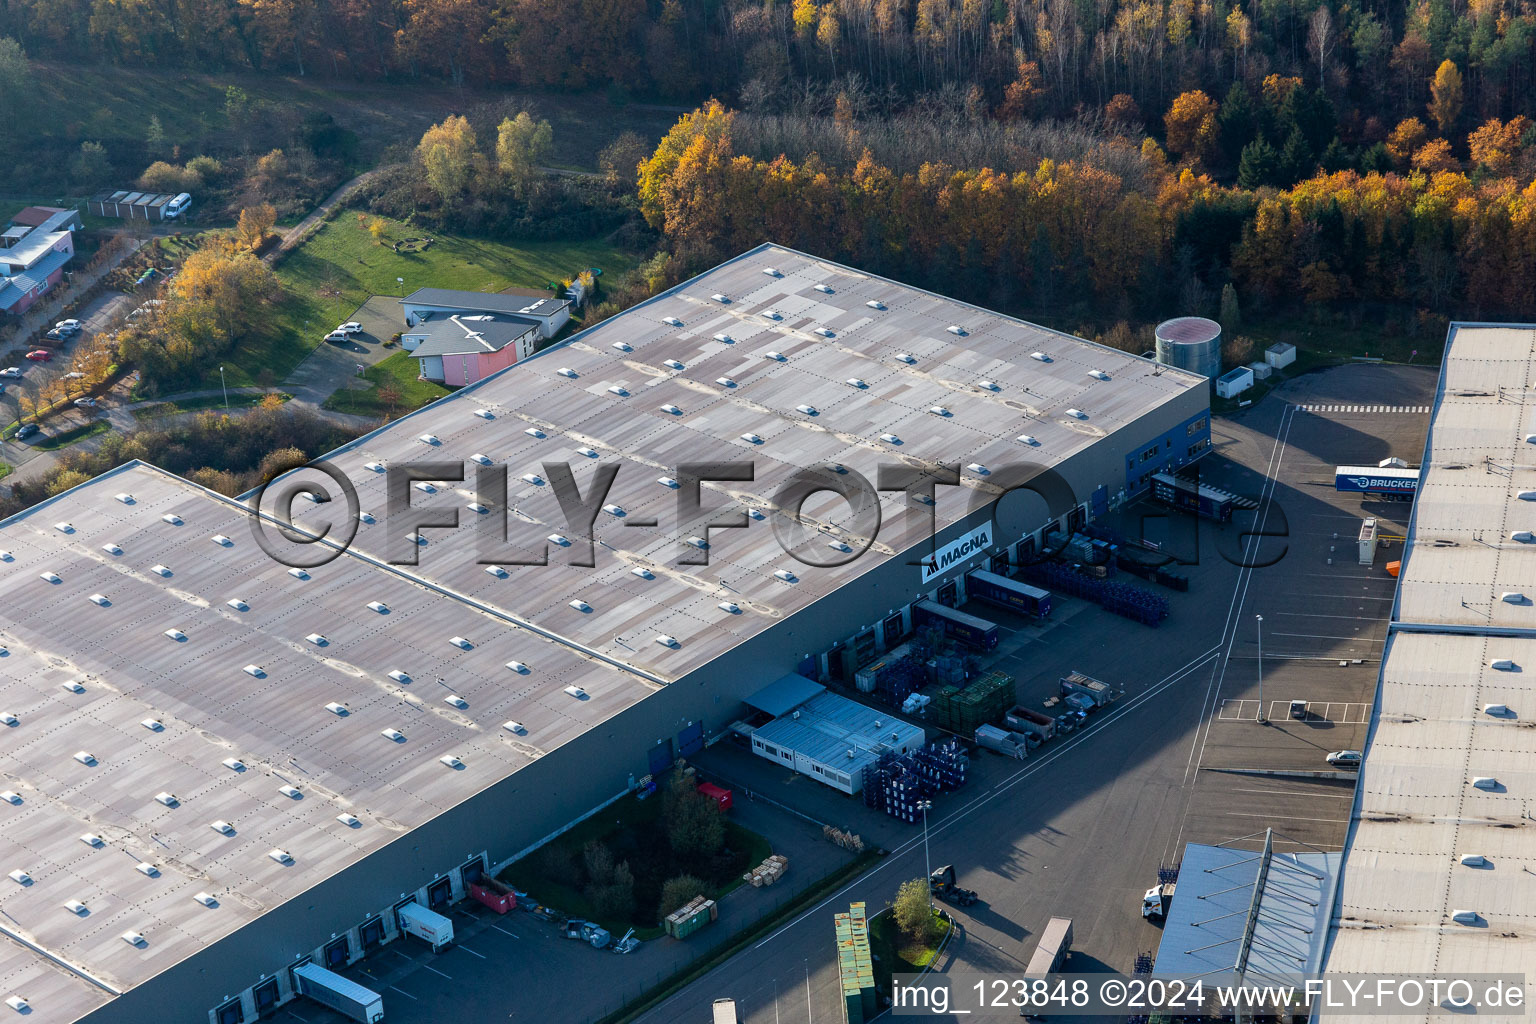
[661,757]
[949,594]
[372,933]
[439,893]
[266,997]
[229,1013]
[472,872]
[691,740]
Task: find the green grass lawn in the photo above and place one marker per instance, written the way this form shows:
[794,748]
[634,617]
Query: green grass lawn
[400,370]
[895,953]
[329,276]
[71,436]
[5,470]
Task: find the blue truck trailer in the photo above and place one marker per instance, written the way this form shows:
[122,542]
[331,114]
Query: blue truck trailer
[992,588]
[968,629]
[1393,481]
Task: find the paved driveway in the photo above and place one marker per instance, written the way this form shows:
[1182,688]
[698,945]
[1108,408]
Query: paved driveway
[332,365]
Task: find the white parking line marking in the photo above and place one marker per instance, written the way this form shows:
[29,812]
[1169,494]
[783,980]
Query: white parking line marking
[434,970]
[399,954]
[505,932]
[297,1017]
[1238,710]
[472,952]
[405,993]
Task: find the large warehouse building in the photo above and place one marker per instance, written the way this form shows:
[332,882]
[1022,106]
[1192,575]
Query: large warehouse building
[1438,872]
[218,767]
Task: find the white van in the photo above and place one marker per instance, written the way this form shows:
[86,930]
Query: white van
[176,207]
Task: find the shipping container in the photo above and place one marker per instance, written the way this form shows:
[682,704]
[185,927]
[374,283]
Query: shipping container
[957,625]
[1022,719]
[1009,744]
[427,925]
[340,994]
[1188,496]
[982,585]
[721,797]
[1098,692]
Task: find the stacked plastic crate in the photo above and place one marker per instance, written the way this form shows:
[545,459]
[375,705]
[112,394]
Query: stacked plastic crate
[962,711]
[943,764]
[855,966]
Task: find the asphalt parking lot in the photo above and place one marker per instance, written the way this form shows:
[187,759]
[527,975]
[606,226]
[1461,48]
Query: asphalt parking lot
[1080,827]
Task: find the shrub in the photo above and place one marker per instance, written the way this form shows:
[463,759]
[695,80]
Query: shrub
[677,891]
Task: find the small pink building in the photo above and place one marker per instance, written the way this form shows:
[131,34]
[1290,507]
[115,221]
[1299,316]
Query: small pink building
[34,248]
[457,350]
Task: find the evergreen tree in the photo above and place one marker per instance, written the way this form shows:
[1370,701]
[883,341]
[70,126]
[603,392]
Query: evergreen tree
[1231,316]
[1335,158]
[1375,159]
[1239,120]
[1259,165]
[1296,159]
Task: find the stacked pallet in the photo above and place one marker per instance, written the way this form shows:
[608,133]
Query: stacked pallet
[768,872]
[690,917]
[855,965]
[983,702]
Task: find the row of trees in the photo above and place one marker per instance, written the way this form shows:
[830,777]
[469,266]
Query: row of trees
[1020,57]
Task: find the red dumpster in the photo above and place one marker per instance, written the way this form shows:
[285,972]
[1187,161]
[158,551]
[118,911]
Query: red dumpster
[718,795]
[501,902]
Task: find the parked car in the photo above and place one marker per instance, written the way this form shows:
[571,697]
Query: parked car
[338,335]
[58,335]
[1299,709]
[40,355]
[68,325]
[1349,760]
[351,327]
[26,430]
[85,403]
[75,375]
[10,371]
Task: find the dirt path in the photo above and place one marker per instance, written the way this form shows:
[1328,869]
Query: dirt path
[295,235]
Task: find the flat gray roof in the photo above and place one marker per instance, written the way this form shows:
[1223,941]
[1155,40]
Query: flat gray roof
[1417,811]
[518,303]
[454,334]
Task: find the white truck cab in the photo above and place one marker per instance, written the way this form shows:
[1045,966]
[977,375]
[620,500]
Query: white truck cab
[1156,900]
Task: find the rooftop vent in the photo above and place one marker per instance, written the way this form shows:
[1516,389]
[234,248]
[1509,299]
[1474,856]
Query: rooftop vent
[20,877]
[161,570]
[177,635]
[642,572]
[617,511]
[477,508]
[824,332]
[518,667]
[298,574]
[725,382]
[365,517]
[76,907]
[222,827]
[777,357]
[667,481]
[1512,597]
[856,382]
[566,371]
[1485,782]
[110,548]
[429,439]
[534,478]
[579,605]
[730,607]
[425,488]
[456,701]
[377,467]
[1502,664]
[1029,439]
[939,410]
[956,329]
[1474,860]
[535,432]
[988,385]
[9,719]
[393,735]
[378,606]
[451,761]
[485,414]
[979,469]
[825,289]
[10,796]
[1098,374]
[720,298]
[906,357]
[615,389]
[1077,414]
[168,799]
[497,571]
[674,364]
[147,869]
[281,856]
[590,453]
[753,513]
[291,792]
[837,545]
[50,577]
[672,321]
[1465,916]
[725,339]
[1522,536]
[399,676]
[809,410]
[773,314]
[484,460]
[772,272]
[668,641]
[64,527]
[623,346]
[100,599]
[234,764]
[698,542]
[124,497]
[318,639]
[462,643]
[559,540]
[238,605]
[890,439]
[671,409]
[221,540]
[337,708]
[1526,495]
[1498,711]
[1040,356]
[751,438]
[256,671]
[73,686]
[838,468]
[133,938]
[875,304]
[92,840]
[18,1004]
[349,820]
[205,899]
[516,728]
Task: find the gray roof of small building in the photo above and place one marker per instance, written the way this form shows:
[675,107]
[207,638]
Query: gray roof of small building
[829,727]
[489,302]
[36,243]
[782,696]
[454,334]
[28,279]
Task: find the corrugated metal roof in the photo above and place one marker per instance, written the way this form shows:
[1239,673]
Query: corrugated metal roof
[782,696]
[1457,646]
[830,728]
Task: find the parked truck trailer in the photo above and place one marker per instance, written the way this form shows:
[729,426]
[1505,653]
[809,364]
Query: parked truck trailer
[428,925]
[957,625]
[1051,953]
[992,588]
[343,995]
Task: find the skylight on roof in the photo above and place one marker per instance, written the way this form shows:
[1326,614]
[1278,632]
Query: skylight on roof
[566,371]
[454,700]
[824,332]
[671,409]
[725,382]
[64,527]
[221,540]
[109,547]
[172,518]
[535,432]
[725,339]
[100,599]
[777,357]
[875,304]
[429,439]
[623,346]
[616,389]
[462,643]
[485,414]
[674,364]
[671,321]
[398,676]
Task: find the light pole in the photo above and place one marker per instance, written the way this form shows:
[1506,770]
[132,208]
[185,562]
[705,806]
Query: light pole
[925,806]
[1260,621]
[401,282]
[224,389]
